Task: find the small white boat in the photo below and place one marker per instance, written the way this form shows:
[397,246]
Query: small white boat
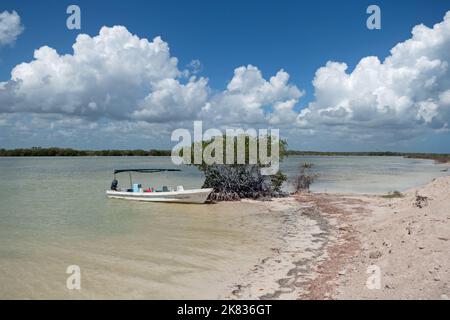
[185,196]
[179,195]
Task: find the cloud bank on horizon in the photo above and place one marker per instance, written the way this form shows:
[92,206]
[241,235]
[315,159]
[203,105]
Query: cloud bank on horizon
[117,83]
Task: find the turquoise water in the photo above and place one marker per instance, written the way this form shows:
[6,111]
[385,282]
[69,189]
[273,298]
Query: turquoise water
[54,213]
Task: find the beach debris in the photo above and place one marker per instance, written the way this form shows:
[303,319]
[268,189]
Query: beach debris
[387,243]
[421,201]
[264,260]
[375,254]
[409,230]
[343,272]
[239,288]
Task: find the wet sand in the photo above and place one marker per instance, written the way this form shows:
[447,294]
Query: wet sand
[330,242]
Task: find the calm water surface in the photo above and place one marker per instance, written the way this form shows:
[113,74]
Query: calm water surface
[53,213]
[377,175]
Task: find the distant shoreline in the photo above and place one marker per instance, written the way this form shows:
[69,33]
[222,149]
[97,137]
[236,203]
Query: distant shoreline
[438,157]
[69,152]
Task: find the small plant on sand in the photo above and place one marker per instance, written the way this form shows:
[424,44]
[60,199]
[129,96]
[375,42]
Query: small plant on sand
[303,181]
[421,201]
[393,194]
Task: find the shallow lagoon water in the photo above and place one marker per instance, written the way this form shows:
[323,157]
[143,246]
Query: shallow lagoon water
[373,175]
[54,213]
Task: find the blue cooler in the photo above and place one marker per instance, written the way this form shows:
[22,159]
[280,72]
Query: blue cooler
[136,187]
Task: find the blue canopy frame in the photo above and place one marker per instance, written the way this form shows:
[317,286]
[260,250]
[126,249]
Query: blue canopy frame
[141,171]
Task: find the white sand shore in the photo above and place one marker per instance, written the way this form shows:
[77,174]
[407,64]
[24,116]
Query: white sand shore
[409,240]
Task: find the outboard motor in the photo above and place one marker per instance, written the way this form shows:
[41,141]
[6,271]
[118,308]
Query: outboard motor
[114,184]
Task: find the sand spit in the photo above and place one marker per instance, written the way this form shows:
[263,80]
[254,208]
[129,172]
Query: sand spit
[330,244]
[312,231]
[408,238]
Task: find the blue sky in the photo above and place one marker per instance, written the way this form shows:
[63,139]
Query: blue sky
[296,36]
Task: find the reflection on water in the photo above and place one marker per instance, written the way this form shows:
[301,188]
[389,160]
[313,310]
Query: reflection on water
[54,213]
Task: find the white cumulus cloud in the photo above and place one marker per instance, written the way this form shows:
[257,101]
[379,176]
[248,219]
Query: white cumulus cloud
[106,76]
[10,27]
[251,99]
[117,75]
[409,90]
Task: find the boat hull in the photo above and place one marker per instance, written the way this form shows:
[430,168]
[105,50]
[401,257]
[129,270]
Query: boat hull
[186,196]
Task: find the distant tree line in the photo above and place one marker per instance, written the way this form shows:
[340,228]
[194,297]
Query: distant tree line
[333,153]
[68,152]
[438,157]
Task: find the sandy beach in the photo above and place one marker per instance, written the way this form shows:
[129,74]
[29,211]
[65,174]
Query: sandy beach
[357,247]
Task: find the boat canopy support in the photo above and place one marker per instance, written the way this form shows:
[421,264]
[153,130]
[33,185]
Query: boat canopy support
[141,171]
[144,170]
